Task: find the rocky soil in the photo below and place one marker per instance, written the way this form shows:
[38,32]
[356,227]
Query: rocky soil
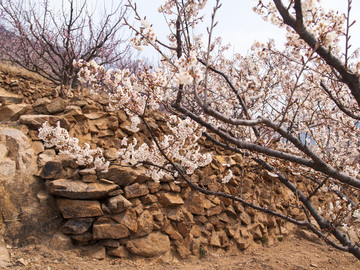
[291,253]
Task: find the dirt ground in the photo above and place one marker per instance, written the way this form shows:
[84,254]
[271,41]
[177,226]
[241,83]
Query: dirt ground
[291,253]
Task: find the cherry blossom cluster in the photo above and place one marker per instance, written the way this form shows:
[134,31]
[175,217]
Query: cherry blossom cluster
[144,37]
[136,94]
[190,9]
[181,147]
[125,90]
[189,69]
[59,138]
[327,26]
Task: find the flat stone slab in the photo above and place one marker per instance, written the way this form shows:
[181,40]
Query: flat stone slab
[9,98]
[154,244]
[110,231]
[79,208]
[74,189]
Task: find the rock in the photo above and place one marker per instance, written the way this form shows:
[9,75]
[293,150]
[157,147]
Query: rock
[94,251]
[118,204]
[46,156]
[4,254]
[195,231]
[90,178]
[85,237]
[77,226]
[194,203]
[9,98]
[57,105]
[127,218]
[109,230]
[244,240]
[120,252]
[38,147]
[174,234]
[215,239]
[79,208]
[183,252]
[214,211]
[149,199]
[52,170]
[154,244]
[61,241]
[153,186]
[136,190]
[94,115]
[39,105]
[168,199]
[124,176]
[7,167]
[36,121]
[26,216]
[145,223]
[255,231]
[19,149]
[175,214]
[12,112]
[109,243]
[74,189]
[113,123]
[110,154]
[224,217]
[245,218]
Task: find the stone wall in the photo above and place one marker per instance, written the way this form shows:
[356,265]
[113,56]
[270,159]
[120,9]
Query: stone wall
[123,212]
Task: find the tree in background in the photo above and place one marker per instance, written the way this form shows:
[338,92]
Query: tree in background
[294,112]
[44,40]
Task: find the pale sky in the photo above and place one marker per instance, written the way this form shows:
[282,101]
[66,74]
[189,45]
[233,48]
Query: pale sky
[238,24]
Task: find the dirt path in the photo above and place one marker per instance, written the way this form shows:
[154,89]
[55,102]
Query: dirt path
[292,253]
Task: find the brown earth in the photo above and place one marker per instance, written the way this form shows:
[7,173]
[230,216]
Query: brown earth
[291,253]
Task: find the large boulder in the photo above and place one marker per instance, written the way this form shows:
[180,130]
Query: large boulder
[74,189]
[25,213]
[151,245]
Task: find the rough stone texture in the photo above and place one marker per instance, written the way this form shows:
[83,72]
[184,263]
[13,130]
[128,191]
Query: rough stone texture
[195,203]
[9,98]
[4,254]
[110,231]
[124,176]
[61,241]
[56,106]
[136,190]
[77,189]
[120,252]
[36,121]
[12,111]
[79,208]
[154,244]
[25,215]
[141,210]
[52,169]
[168,199]
[118,204]
[128,219]
[145,223]
[77,226]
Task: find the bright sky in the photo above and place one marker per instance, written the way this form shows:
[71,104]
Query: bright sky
[238,24]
